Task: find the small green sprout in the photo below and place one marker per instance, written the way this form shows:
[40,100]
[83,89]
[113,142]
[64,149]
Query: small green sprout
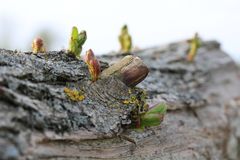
[194,43]
[153,117]
[76,42]
[125,40]
[93,65]
[37,46]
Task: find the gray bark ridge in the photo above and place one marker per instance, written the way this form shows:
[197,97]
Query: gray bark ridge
[33,100]
[39,122]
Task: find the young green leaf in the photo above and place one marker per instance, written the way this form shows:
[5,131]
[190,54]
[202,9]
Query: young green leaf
[82,37]
[74,33]
[148,120]
[153,117]
[160,108]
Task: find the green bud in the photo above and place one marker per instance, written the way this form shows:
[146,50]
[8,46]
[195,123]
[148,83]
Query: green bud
[76,42]
[125,40]
[194,43]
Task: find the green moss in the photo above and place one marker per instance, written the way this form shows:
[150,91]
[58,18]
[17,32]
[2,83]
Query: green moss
[131,100]
[138,99]
[74,95]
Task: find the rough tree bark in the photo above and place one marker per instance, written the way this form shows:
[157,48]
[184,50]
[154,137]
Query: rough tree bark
[38,121]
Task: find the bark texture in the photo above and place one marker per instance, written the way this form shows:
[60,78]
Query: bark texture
[38,120]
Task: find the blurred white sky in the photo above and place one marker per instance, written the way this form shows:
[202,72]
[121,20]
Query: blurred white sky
[151,22]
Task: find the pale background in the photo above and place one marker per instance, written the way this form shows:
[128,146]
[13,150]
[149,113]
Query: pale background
[151,22]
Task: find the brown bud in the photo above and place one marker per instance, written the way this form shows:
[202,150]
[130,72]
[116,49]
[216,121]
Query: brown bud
[37,45]
[134,73]
[89,56]
[93,65]
[130,70]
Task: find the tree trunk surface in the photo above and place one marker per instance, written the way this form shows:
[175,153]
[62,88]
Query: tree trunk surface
[39,121]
